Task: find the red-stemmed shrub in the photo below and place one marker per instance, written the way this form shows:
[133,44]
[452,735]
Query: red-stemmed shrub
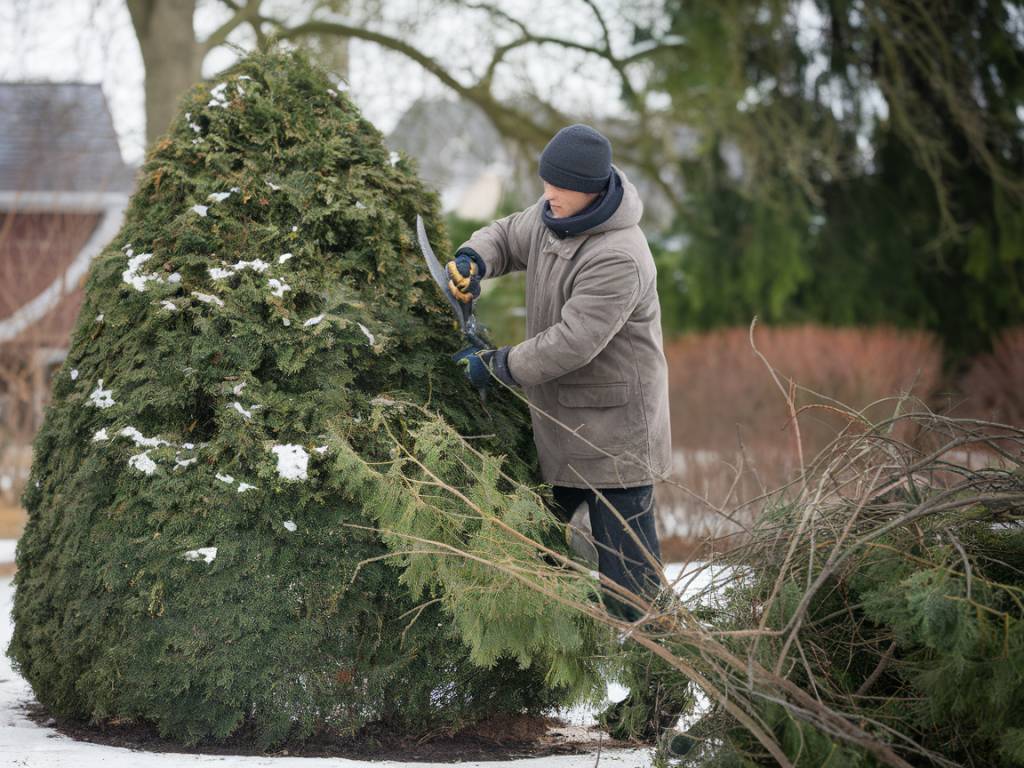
[732,431]
[993,387]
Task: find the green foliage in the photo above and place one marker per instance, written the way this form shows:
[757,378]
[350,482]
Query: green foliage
[657,697]
[960,639]
[874,166]
[919,635]
[472,537]
[322,310]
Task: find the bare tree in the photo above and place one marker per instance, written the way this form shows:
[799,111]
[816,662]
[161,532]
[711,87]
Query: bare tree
[173,58]
[171,53]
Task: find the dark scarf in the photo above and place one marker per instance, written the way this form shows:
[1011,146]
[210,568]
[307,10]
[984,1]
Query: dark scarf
[596,213]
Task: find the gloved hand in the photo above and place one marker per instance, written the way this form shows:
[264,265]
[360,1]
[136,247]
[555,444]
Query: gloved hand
[464,274]
[480,363]
[476,362]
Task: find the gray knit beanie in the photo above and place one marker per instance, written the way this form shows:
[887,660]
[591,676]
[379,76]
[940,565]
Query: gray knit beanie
[578,158]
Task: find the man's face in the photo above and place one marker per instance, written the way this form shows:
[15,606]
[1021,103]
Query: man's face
[567,202]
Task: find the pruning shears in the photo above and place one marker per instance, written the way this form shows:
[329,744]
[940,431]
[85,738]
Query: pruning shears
[472,331]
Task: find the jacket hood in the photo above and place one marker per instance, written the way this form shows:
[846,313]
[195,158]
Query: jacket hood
[629,211]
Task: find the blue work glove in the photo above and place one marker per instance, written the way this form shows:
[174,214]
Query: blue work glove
[480,363]
[465,272]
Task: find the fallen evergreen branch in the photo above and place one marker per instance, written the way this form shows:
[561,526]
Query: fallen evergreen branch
[873,618]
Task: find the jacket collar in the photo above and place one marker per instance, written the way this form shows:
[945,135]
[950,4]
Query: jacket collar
[565,247]
[598,212]
[627,214]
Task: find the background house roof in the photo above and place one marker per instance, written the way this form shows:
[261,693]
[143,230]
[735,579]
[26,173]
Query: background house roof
[59,137]
[63,186]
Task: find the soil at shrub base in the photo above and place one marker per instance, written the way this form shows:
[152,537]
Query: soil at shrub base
[500,738]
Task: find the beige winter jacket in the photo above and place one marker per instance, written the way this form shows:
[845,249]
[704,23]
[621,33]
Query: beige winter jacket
[593,359]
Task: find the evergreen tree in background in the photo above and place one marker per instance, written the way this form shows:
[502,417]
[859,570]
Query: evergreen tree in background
[256,426]
[858,163]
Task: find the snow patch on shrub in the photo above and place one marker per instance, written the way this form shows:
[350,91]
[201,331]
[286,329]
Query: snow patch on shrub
[278,287]
[292,461]
[207,298]
[133,277]
[366,331]
[238,407]
[100,397]
[143,463]
[206,554]
[141,440]
[221,273]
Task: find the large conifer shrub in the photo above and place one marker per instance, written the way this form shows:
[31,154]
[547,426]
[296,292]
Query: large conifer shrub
[260,381]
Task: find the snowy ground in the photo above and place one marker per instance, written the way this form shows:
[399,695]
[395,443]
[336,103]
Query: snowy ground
[24,744]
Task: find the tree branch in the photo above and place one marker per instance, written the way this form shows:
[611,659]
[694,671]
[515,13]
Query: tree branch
[535,127]
[508,121]
[604,27]
[499,14]
[250,12]
[321,27]
[668,44]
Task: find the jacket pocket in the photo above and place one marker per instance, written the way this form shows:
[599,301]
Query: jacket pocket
[593,395]
[597,418]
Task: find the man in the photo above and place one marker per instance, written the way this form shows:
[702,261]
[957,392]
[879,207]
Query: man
[593,368]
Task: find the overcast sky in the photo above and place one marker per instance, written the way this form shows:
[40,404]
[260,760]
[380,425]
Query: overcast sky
[93,41]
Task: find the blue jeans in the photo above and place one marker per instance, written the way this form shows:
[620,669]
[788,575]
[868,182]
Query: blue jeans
[620,558]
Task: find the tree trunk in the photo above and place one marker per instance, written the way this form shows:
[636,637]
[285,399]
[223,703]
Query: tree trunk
[334,54]
[170,53]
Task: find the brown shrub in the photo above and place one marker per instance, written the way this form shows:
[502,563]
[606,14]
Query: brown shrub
[732,433]
[993,387]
